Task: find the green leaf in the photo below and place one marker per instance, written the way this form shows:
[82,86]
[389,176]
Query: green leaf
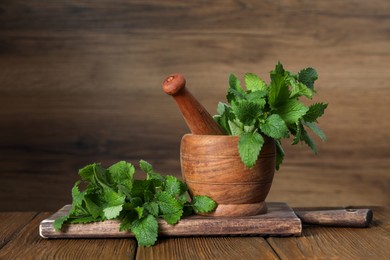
[236,127]
[226,114]
[170,208]
[278,69]
[139,188]
[247,112]
[145,166]
[145,230]
[88,172]
[275,127]
[173,218]
[315,111]
[83,220]
[300,89]
[92,207]
[292,111]
[77,201]
[78,211]
[203,204]
[113,198]
[140,211]
[135,201]
[77,196]
[101,175]
[235,91]
[298,133]
[254,83]
[221,108]
[172,186]
[308,76]
[152,208]
[183,188]
[188,210]
[314,127]
[59,222]
[278,89]
[113,203]
[148,169]
[249,128]
[121,171]
[257,97]
[95,174]
[112,212]
[306,138]
[127,220]
[249,146]
[124,188]
[121,174]
[279,154]
[183,198]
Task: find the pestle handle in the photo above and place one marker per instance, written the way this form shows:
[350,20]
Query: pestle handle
[339,217]
[196,116]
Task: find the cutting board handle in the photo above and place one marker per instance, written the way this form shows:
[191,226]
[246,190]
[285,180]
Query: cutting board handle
[339,217]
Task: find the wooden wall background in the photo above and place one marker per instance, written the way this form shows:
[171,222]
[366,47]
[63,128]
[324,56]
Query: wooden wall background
[80,82]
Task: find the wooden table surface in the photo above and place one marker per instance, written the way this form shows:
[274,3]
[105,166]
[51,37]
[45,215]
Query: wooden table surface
[19,238]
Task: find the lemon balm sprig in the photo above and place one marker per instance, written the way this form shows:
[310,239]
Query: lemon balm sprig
[272,110]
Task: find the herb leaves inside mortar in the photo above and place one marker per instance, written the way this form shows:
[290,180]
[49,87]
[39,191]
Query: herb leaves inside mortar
[273,110]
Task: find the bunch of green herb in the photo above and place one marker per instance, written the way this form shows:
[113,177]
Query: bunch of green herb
[113,194]
[272,110]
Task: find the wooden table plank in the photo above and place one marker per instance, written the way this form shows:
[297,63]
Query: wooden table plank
[208,248]
[12,223]
[344,243]
[28,243]
[316,242]
[382,219]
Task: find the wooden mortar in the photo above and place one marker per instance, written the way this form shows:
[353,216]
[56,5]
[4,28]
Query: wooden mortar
[210,161]
[211,166]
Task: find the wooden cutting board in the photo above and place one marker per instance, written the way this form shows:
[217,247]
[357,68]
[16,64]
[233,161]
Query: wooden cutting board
[280,220]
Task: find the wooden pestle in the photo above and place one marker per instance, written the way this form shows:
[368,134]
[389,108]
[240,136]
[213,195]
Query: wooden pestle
[196,116]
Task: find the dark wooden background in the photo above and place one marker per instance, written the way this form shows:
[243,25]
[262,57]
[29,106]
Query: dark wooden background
[80,82]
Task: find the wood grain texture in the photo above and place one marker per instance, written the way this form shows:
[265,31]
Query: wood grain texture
[337,218]
[28,243]
[208,248]
[211,166]
[12,223]
[80,82]
[197,118]
[316,242]
[333,242]
[280,220]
